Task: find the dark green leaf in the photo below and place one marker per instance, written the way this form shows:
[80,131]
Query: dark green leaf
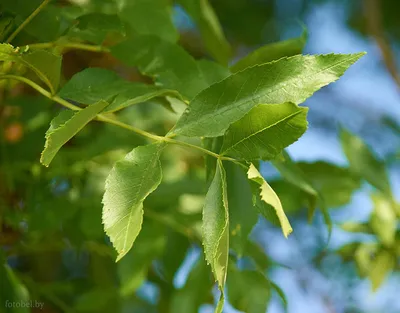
[168,63]
[65,126]
[271,52]
[130,181]
[364,163]
[292,79]
[265,131]
[214,40]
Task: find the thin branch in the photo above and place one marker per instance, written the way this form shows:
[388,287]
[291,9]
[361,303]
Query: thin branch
[374,21]
[27,20]
[68,45]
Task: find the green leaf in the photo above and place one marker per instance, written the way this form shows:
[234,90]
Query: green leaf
[46,65]
[364,163]
[212,72]
[149,17]
[216,229]
[265,131]
[381,266]
[95,27]
[12,291]
[353,227]
[130,181]
[65,126]
[269,196]
[248,291]
[335,184]
[170,65]
[292,79]
[214,145]
[271,52]
[242,216]
[94,84]
[6,26]
[383,219]
[213,36]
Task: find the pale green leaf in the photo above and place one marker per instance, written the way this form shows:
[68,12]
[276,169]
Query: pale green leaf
[292,79]
[130,181]
[211,31]
[353,227]
[170,65]
[149,17]
[65,126]
[269,196]
[46,65]
[381,266]
[265,131]
[364,163]
[216,227]
[383,219]
[271,52]
[248,291]
[242,215]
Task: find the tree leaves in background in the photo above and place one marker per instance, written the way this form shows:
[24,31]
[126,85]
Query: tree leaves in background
[248,291]
[292,79]
[242,214]
[12,291]
[211,31]
[66,125]
[271,52]
[168,63]
[265,131]
[46,65]
[364,163]
[216,229]
[94,84]
[130,181]
[269,196]
[149,17]
[381,266]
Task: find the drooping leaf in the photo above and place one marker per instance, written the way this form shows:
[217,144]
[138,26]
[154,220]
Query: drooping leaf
[381,266]
[271,52]
[12,291]
[269,196]
[65,126]
[168,63]
[364,163]
[130,181]
[214,145]
[149,17]
[292,79]
[211,31]
[335,184]
[242,215]
[216,229]
[248,291]
[265,131]
[46,65]
[383,219]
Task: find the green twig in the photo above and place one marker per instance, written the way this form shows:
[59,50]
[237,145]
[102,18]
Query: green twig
[68,45]
[27,20]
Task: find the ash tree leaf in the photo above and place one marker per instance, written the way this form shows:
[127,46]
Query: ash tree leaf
[265,131]
[248,291]
[94,84]
[364,163]
[149,17]
[12,291]
[211,31]
[216,229]
[46,65]
[169,64]
[292,79]
[242,216]
[65,126]
[269,196]
[271,52]
[129,183]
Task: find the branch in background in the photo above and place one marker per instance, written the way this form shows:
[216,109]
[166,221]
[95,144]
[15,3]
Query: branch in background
[373,16]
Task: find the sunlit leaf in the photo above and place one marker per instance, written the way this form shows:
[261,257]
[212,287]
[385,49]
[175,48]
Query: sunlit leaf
[383,219]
